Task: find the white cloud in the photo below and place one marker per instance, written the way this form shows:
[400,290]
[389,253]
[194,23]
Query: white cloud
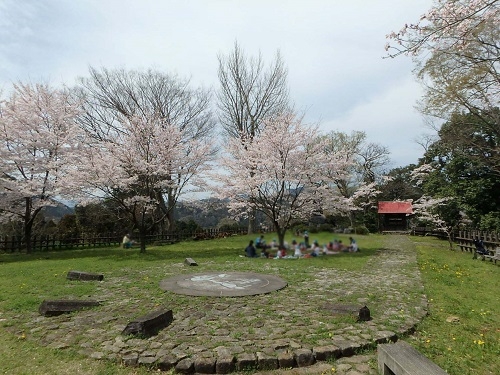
[388,118]
[333,49]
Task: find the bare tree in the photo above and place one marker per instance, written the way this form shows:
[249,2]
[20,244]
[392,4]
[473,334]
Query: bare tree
[110,95]
[250,93]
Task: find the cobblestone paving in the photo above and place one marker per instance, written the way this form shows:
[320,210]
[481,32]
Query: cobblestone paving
[290,331]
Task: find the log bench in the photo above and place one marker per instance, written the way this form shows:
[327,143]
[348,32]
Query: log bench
[403,359]
[86,276]
[149,324]
[59,307]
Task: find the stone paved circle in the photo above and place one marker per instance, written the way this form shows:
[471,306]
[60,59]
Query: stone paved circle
[223,284]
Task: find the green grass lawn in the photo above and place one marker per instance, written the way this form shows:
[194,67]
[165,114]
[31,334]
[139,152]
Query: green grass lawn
[466,292]
[454,283]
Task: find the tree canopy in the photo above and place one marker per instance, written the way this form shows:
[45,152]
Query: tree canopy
[40,144]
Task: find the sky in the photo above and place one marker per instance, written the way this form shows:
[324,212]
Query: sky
[333,50]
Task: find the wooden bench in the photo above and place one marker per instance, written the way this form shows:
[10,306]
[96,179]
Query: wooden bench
[493,257]
[403,359]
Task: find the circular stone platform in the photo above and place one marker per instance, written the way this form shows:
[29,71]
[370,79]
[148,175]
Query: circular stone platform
[223,284]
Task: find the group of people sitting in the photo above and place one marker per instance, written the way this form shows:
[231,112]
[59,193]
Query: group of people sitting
[302,249]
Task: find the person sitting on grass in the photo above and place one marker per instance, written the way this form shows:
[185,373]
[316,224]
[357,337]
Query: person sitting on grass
[353,246]
[126,242]
[250,250]
[315,249]
[296,248]
[273,244]
[260,243]
[281,252]
[330,249]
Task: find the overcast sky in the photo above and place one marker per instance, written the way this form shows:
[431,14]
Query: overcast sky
[333,50]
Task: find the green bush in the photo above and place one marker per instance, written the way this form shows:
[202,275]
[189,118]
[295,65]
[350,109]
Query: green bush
[325,228]
[361,230]
[490,221]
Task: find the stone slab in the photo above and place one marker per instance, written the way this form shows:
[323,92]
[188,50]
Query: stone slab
[84,276]
[223,284]
[59,307]
[149,324]
[362,313]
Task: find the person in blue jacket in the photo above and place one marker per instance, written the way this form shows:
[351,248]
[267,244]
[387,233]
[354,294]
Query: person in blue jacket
[250,250]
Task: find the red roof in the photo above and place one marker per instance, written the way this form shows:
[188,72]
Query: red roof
[395,208]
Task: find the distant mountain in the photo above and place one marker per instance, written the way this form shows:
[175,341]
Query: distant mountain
[56,213]
[207,213]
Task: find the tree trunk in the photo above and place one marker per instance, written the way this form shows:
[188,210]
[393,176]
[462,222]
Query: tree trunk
[450,240]
[141,225]
[27,237]
[142,239]
[281,234]
[171,219]
[251,221]
[29,218]
[351,220]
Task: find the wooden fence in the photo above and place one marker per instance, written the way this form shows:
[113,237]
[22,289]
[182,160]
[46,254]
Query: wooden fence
[11,244]
[491,240]
[464,238]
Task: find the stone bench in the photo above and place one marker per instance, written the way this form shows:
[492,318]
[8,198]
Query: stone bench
[59,307]
[150,324]
[190,262]
[86,276]
[403,359]
[362,314]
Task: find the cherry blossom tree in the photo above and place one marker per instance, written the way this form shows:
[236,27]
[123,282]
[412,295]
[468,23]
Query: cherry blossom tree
[40,145]
[108,96]
[442,213]
[138,165]
[456,48]
[280,173]
[248,94]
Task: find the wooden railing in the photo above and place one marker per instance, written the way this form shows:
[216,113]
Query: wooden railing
[464,238]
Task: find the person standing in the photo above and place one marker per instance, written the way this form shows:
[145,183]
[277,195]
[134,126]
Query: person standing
[306,238]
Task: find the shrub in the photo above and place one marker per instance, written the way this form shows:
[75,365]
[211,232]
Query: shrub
[361,230]
[325,228]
